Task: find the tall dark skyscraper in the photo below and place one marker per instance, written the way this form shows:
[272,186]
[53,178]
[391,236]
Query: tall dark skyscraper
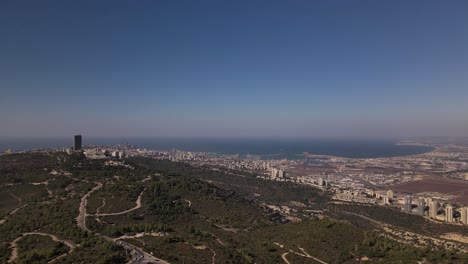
[77,142]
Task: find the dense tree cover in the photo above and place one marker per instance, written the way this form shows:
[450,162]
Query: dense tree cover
[96,250]
[57,218]
[396,217]
[7,202]
[20,168]
[249,186]
[39,249]
[48,203]
[187,213]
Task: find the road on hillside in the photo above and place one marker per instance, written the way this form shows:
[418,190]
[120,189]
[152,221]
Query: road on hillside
[138,256]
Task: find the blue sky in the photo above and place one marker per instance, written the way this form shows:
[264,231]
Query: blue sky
[234,68]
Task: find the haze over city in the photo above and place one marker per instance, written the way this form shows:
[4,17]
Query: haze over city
[193,132]
[366,69]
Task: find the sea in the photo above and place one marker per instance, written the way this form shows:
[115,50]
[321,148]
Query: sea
[253,148]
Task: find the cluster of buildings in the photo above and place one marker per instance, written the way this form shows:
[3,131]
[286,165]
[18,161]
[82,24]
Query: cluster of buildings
[277,173]
[348,180]
[436,210]
[425,206]
[322,182]
[116,152]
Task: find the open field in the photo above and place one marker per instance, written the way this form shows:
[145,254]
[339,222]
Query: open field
[458,188]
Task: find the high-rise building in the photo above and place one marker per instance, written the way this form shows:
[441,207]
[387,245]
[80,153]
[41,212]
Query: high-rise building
[280,174]
[274,172]
[464,215]
[385,200]
[390,194]
[449,213]
[408,203]
[77,142]
[421,205]
[320,181]
[433,209]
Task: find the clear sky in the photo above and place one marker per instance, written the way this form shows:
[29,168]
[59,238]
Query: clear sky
[234,68]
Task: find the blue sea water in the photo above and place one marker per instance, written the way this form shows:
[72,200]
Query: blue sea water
[262,148]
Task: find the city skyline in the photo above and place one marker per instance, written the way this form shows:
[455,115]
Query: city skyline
[322,69]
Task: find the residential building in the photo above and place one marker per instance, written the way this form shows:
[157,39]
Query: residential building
[421,206]
[433,209]
[449,213]
[274,172]
[408,203]
[464,215]
[385,200]
[390,194]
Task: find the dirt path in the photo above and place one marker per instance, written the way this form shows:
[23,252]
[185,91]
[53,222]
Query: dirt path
[303,254]
[14,210]
[146,179]
[189,203]
[309,256]
[136,252]
[203,247]
[100,207]
[213,257]
[365,217]
[228,229]
[142,234]
[11,213]
[220,242]
[39,183]
[16,197]
[81,219]
[283,256]
[14,245]
[138,206]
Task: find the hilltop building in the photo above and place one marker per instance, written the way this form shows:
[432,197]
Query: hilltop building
[77,142]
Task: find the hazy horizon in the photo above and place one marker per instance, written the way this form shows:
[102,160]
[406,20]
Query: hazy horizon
[243,69]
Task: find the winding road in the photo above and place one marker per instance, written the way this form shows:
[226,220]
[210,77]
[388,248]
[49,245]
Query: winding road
[81,219]
[138,256]
[137,206]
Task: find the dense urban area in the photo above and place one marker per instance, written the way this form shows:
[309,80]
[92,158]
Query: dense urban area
[122,204]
